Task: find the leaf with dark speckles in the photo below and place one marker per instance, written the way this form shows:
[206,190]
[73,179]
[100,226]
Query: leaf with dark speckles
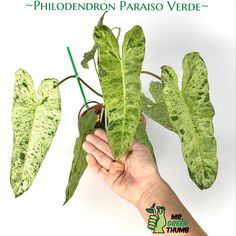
[191,114]
[120,81]
[142,137]
[156,110]
[86,126]
[33,130]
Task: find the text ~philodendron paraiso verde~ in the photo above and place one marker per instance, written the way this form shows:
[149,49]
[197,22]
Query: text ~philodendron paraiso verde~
[116,6]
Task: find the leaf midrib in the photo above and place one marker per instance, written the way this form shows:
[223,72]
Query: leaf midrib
[120,58]
[124,100]
[194,131]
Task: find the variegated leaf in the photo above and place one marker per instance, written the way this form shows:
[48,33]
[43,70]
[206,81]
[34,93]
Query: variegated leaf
[142,137]
[120,82]
[157,110]
[88,56]
[79,164]
[35,122]
[191,113]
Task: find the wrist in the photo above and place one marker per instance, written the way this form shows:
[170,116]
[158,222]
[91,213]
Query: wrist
[156,191]
[161,194]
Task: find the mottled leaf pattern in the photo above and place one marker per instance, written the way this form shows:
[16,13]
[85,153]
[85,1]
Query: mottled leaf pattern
[120,82]
[35,122]
[79,164]
[142,137]
[157,110]
[88,56]
[191,114]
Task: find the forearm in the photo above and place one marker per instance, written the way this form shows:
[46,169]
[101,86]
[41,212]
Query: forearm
[178,220]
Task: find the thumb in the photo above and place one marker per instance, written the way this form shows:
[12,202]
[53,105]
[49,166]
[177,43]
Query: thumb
[136,146]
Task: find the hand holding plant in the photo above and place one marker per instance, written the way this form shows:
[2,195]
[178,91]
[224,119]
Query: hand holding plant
[131,175]
[135,178]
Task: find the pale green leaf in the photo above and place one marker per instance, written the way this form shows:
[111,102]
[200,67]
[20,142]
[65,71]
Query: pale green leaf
[120,82]
[157,110]
[191,114]
[35,122]
[142,137]
[79,164]
[88,56]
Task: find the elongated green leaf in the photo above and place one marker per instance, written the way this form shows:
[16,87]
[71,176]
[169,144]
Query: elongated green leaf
[191,114]
[120,82]
[150,210]
[88,56]
[157,110]
[79,164]
[35,122]
[142,137]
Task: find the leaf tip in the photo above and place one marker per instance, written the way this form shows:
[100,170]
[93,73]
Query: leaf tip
[84,64]
[65,202]
[17,194]
[204,178]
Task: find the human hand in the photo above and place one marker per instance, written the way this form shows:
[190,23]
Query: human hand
[135,177]
[130,176]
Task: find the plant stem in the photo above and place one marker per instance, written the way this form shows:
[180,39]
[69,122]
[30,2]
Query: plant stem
[153,207]
[101,114]
[63,80]
[95,66]
[152,74]
[82,81]
[119,30]
[105,119]
[85,105]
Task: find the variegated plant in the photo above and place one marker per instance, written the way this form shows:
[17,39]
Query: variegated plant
[120,81]
[188,113]
[35,120]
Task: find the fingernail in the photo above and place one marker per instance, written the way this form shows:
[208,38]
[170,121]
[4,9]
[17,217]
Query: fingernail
[84,145]
[97,131]
[88,137]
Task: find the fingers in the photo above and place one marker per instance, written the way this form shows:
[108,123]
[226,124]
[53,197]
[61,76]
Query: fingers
[108,176]
[101,134]
[136,146]
[99,142]
[96,167]
[102,159]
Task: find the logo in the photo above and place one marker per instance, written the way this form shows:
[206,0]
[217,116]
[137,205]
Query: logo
[156,221]
[158,224]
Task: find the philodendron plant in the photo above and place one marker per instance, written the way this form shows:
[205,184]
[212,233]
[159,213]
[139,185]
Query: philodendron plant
[187,112]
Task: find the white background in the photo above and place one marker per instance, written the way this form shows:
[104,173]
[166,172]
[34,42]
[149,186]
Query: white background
[36,41]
